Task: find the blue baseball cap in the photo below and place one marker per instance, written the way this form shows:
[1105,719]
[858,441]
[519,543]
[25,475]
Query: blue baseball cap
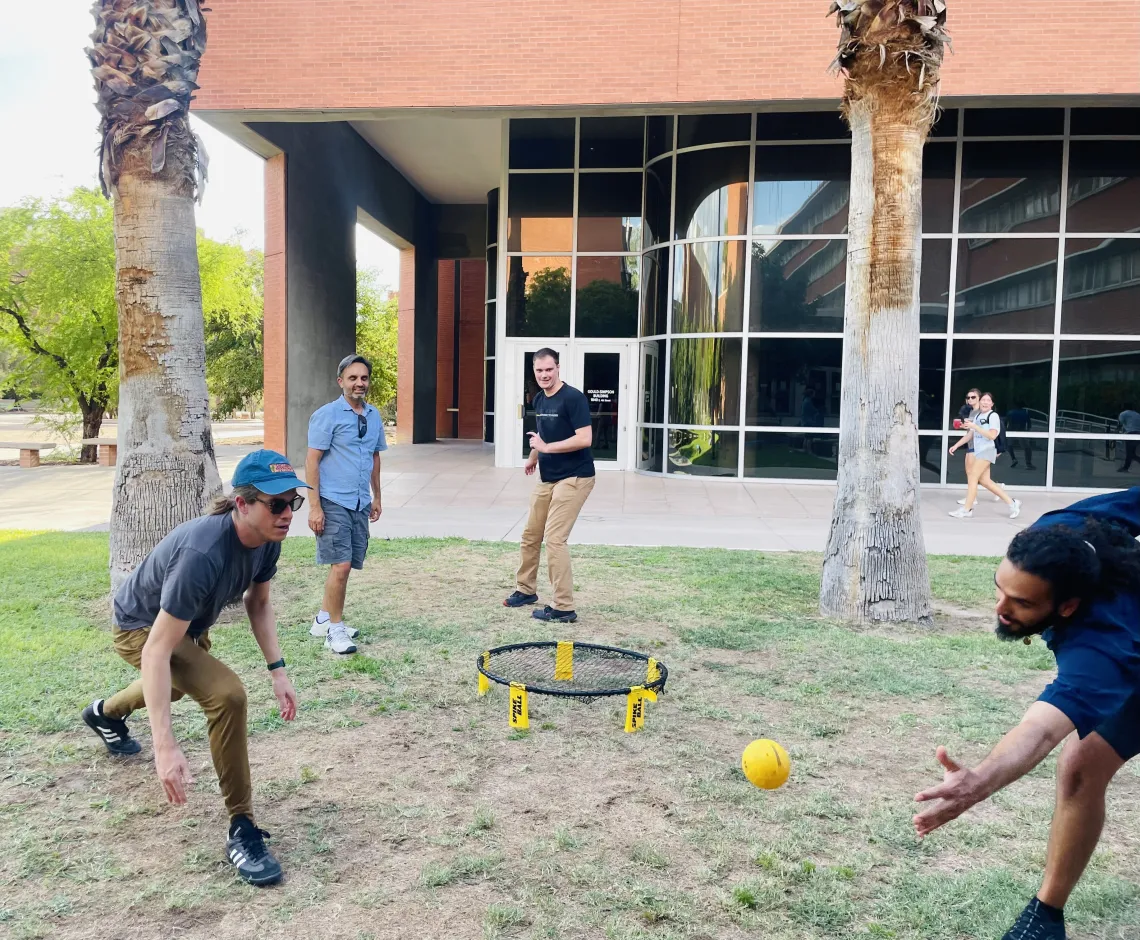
[269,472]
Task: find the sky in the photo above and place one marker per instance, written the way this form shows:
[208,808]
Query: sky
[49,125]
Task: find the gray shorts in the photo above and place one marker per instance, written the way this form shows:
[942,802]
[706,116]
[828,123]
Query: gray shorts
[345,537]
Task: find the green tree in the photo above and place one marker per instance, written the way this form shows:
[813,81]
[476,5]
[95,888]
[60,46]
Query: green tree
[57,305]
[232,304]
[376,316]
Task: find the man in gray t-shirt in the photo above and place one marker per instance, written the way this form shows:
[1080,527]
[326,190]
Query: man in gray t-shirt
[163,614]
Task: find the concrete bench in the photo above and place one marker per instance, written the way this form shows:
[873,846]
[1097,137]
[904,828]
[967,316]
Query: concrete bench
[29,451]
[108,449]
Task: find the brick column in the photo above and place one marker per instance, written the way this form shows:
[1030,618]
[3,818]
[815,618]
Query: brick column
[276,309]
[472,314]
[406,347]
[445,358]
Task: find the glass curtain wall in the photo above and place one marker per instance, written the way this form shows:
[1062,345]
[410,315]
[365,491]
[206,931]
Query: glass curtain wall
[1029,290]
[491,320]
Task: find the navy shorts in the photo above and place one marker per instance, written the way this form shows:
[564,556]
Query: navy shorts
[1122,730]
[345,537]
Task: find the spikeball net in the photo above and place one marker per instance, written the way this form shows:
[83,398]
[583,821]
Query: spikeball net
[582,671]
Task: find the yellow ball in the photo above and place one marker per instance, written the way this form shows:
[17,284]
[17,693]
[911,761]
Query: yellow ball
[766,764]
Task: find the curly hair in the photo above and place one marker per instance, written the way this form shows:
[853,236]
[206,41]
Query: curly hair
[1096,559]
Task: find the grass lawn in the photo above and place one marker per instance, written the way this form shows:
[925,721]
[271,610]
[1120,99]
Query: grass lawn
[402,805]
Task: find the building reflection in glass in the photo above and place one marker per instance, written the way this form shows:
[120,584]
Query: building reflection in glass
[538,296]
[607,296]
[708,287]
[704,386]
[798,286]
[703,453]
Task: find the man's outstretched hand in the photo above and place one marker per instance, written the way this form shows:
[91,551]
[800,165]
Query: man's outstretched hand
[958,791]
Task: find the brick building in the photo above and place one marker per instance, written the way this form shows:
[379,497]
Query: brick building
[660,193]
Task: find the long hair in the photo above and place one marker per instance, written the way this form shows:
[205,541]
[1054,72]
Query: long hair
[228,503]
[1095,559]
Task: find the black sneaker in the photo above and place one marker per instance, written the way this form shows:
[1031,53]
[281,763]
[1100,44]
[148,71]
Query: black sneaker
[519,599]
[1037,922]
[549,613]
[112,731]
[246,850]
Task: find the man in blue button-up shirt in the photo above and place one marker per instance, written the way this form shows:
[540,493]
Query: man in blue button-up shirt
[343,468]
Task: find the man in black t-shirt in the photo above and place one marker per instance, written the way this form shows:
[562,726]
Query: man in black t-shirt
[163,615]
[560,448]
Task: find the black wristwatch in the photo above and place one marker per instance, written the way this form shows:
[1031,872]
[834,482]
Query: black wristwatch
[280,664]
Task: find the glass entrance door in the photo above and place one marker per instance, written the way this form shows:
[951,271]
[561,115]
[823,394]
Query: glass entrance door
[602,374]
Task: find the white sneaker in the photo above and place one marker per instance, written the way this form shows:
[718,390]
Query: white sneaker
[962,513]
[1015,509]
[320,628]
[337,639]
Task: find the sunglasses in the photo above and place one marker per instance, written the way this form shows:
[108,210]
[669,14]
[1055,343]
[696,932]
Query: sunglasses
[361,425]
[277,504]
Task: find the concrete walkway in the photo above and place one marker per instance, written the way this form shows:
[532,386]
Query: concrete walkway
[453,489]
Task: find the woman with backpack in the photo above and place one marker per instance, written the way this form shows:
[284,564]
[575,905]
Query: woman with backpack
[983,431]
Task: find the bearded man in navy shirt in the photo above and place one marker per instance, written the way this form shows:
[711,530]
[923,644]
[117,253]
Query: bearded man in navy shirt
[1074,579]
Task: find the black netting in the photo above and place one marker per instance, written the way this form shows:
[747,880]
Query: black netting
[596,670]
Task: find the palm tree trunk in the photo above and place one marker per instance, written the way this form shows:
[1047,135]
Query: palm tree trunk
[166,471]
[874,566]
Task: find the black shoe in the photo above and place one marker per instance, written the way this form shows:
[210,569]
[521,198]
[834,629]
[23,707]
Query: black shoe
[1121,469]
[1037,922]
[519,599]
[246,851]
[548,613]
[112,731]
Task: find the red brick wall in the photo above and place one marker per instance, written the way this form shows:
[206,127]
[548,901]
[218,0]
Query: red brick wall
[405,347]
[445,350]
[309,54]
[472,314]
[276,339]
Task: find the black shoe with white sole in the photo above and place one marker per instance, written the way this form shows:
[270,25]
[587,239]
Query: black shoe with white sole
[554,615]
[519,599]
[246,851]
[112,731]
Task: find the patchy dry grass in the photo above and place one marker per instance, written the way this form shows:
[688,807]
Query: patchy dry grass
[402,805]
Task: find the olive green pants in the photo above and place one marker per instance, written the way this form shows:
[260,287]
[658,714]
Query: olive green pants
[214,686]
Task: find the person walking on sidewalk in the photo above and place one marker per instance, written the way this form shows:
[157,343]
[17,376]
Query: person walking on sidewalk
[162,618]
[560,449]
[982,431]
[346,437]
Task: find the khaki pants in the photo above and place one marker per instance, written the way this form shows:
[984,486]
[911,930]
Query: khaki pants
[214,686]
[554,508]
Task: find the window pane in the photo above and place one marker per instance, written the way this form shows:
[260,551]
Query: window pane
[542,144]
[659,136]
[712,192]
[492,272]
[492,217]
[1091,463]
[703,453]
[697,129]
[801,190]
[708,287]
[1102,286]
[612,142]
[1104,186]
[1105,121]
[931,382]
[653,382]
[489,385]
[1032,456]
[938,187]
[609,212]
[1014,122]
[492,327]
[656,297]
[658,192]
[601,384]
[930,453]
[538,297]
[798,286]
[1006,285]
[607,296]
[802,125]
[1095,383]
[704,386]
[1016,372]
[652,448]
[541,207]
[1011,187]
[946,125]
[489,429]
[934,285]
[791,456]
[794,382]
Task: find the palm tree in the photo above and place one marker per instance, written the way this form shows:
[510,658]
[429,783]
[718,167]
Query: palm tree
[145,57]
[890,55]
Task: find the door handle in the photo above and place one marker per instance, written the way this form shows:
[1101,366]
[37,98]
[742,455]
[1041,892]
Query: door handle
[520,411]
